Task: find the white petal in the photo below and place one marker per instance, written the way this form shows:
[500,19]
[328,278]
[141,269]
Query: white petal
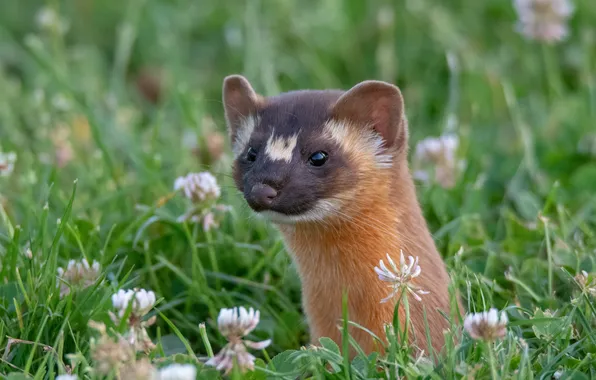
[468,322]
[152,298]
[244,317]
[410,263]
[246,360]
[392,264]
[385,275]
[493,317]
[416,296]
[212,361]
[402,260]
[179,183]
[416,271]
[179,372]
[258,345]
[383,267]
[226,362]
[503,320]
[390,296]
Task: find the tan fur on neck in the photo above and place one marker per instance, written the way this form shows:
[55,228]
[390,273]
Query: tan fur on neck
[382,216]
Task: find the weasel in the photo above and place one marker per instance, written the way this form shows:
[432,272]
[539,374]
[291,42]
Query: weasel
[329,168]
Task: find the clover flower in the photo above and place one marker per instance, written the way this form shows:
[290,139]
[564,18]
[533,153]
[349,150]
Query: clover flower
[543,20]
[7,161]
[138,370]
[586,283]
[77,274]
[438,154]
[47,18]
[213,217]
[67,377]
[487,325]
[198,187]
[142,301]
[202,189]
[400,278]
[109,354]
[178,372]
[235,324]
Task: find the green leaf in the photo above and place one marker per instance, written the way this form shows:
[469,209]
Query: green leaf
[257,374]
[17,376]
[330,345]
[527,204]
[283,363]
[172,345]
[548,330]
[583,179]
[208,373]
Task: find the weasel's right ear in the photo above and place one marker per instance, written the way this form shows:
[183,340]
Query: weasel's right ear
[240,103]
[376,105]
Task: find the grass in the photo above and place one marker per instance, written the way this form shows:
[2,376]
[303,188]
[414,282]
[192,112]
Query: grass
[514,231]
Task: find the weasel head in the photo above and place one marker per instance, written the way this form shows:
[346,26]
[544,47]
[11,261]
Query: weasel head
[307,156]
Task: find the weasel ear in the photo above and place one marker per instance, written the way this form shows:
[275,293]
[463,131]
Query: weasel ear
[240,102]
[378,105]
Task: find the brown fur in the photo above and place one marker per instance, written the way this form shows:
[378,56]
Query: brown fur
[385,217]
[378,214]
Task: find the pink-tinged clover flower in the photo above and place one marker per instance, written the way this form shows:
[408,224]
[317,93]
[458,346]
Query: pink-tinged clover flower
[235,324]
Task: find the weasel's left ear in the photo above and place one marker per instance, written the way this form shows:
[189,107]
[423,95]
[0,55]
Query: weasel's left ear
[240,103]
[377,105]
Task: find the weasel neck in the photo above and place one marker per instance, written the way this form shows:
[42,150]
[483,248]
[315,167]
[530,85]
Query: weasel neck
[383,219]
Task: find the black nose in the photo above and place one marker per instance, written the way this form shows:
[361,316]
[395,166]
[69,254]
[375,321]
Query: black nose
[261,196]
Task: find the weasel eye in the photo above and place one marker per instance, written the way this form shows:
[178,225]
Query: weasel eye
[251,155]
[318,158]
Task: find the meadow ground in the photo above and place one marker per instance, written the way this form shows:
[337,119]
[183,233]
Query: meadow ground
[106,103]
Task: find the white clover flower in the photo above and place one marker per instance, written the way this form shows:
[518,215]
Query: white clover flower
[235,324]
[47,18]
[67,377]
[400,278]
[198,187]
[178,372]
[142,301]
[487,325]
[587,284]
[77,274]
[109,354]
[137,370]
[438,154]
[543,20]
[232,323]
[7,161]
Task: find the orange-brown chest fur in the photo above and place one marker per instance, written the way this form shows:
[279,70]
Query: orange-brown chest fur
[340,255]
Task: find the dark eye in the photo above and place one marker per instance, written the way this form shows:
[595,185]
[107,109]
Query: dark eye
[318,158]
[251,154]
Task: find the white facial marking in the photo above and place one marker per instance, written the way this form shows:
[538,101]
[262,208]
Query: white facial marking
[383,159]
[280,148]
[245,130]
[365,141]
[336,130]
[322,209]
